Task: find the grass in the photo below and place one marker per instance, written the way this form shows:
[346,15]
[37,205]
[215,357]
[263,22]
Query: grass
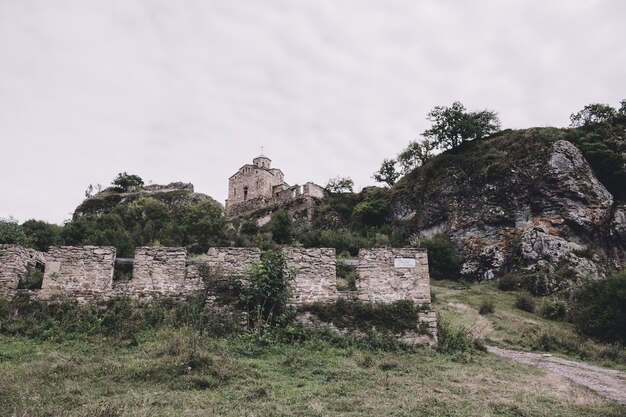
[177,372]
[172,359]
[510,327]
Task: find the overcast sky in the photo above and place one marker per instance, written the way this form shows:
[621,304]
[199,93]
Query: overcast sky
[190,90]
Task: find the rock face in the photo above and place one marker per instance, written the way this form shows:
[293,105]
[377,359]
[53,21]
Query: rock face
[528,204]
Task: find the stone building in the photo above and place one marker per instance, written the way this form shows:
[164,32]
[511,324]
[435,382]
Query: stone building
[258,186]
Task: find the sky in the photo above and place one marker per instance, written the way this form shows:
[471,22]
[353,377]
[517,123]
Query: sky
[190,91]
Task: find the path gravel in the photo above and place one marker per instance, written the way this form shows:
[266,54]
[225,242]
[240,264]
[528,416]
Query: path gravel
[607,382]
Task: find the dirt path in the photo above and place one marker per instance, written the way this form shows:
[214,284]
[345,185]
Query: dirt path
[606,382]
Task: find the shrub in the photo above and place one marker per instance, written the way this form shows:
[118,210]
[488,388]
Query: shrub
[599,308]
[455,340]
[486,307]
[509,282]
[554,310]
[525,302]
[442,260]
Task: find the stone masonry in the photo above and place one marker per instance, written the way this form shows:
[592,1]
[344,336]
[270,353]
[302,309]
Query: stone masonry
[258,186]
[14,264]
[388,275]
[316,276]
[86,274]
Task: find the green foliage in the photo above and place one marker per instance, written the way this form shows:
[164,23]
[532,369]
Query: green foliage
[486,307]
[373,210]
[11,232]
[453,125]
[442,260]
[415,154]
[397,317]
[387,173]
[456,340]
[149,222]
[281,227]
[510,282]
[33,278]
[121,320]
[554,310]
[591,114]
[124,182]
[264,291]
[340,185]
[525,302]
[599,308]
[41,235]
[600,137]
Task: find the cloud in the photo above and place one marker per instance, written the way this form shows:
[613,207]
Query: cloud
[191,90]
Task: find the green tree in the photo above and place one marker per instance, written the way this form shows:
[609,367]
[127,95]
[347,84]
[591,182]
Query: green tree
[387,172]
[453,125]
[595,113]
[599,308]
[415,154]
[124,181]
[281,227]
[340,185]
[199,226]
[265,290]
[41,235]
[11,232]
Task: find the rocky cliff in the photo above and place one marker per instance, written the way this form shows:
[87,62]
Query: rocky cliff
[524,201]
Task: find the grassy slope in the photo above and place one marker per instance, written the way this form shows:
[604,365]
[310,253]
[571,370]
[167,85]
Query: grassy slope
[510,327]
[174,372]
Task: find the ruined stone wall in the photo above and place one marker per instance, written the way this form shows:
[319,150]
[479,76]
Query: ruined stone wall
[231,262]
[84,272]
[392,274]
[14,264]
[316,274]
[164,272]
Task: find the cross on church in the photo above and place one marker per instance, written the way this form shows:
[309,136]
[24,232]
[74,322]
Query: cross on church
[262,147]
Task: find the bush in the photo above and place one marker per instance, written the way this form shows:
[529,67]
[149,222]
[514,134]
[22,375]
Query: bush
[554,310]
[442,260]
[486,307]
[599,308]
[525,302]
[509,282]
[455,340]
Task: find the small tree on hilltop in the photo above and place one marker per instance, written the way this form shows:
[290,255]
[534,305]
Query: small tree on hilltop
[415,154]
[340,185]
[124,181]
[594,114]
[453,125]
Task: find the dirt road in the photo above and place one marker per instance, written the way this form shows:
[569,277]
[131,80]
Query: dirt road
[606,382]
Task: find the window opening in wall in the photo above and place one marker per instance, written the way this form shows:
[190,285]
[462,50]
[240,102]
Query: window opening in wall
[346,274]
[123,269]
[33,278]
[245,193]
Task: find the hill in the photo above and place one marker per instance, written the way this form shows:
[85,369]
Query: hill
[525,201]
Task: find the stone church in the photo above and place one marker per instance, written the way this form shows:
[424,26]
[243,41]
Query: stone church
[258,186]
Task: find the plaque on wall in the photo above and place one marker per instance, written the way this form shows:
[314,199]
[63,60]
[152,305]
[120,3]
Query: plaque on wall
[404,263]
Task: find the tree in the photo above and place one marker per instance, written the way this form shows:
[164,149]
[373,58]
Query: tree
[453,125]
[594,114]
[599,308]
[124,181]
[387,172]
[41,235]
[11,232]
[340,185]
[415,154]
[281,227]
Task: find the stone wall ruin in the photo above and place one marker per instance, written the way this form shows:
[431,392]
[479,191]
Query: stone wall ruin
[87,273]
